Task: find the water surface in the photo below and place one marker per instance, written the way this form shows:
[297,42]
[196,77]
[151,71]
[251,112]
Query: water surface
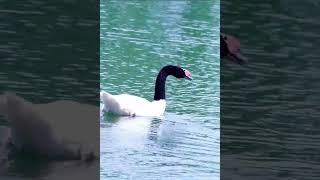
[137,40]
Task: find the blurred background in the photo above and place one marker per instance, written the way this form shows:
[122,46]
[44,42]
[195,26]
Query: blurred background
[269,107]
[49,52]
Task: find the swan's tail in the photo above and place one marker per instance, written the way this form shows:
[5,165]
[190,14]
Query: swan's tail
[107,100]
[104,96]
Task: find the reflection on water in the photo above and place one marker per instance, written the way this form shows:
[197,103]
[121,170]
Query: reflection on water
[137,40]
[149,147]
[269,106]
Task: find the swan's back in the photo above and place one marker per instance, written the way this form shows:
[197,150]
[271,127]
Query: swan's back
[129,105]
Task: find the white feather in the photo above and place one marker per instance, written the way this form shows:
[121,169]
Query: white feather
[129,105]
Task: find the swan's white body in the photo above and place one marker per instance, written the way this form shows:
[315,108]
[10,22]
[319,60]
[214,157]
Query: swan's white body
[129,105]
[55,130]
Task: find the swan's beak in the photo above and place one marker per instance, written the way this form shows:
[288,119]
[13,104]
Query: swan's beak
[188,78]
[187,74]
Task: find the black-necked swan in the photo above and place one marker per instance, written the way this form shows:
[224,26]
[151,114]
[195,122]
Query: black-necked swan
[53,130]
[230,49]
[129,105]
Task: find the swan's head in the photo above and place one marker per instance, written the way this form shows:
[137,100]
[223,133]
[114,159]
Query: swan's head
[231,49]
[179,72]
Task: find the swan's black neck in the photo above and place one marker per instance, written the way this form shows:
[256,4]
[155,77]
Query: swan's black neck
[160,88]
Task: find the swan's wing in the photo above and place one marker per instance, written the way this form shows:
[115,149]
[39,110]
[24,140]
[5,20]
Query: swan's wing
[138,106]
[129,105]
[130,99]
[132,105]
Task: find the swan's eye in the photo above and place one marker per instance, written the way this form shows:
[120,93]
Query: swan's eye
[225,38]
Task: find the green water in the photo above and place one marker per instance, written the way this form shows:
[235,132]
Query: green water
[138,38]
[269,107]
